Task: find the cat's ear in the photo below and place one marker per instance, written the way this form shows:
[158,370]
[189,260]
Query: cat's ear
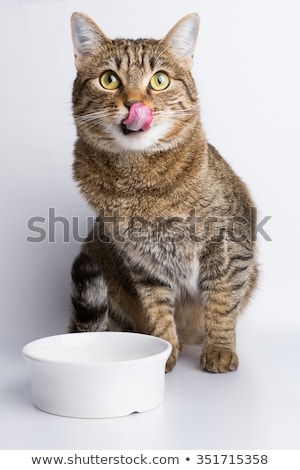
[181,40]
[86,36]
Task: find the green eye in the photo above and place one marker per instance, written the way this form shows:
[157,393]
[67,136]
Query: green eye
[160,81]
[109,80]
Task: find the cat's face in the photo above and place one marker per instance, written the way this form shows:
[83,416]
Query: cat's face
[134,95]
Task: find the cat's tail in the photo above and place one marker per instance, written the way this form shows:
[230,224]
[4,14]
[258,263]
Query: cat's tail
[89,296]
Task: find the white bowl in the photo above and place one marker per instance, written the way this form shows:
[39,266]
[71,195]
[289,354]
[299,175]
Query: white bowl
[97,375]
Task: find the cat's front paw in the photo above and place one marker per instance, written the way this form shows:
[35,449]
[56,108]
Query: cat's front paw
[218,359]
[173,357]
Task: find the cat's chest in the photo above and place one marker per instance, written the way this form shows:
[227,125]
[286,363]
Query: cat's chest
[168,259]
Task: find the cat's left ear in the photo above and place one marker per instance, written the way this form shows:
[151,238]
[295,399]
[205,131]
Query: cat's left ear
[86,36]
[181,40]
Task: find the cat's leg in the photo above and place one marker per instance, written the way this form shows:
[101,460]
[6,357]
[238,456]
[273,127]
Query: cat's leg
[89,296]
[226,295]
[157,303]
[218,351]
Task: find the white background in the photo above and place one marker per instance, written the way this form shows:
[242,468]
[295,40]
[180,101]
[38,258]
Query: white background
[247,71]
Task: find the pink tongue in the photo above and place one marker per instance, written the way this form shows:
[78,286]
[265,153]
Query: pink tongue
[140,117]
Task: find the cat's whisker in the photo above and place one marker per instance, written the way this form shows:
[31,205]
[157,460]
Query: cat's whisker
[93,116]
[98,112]
[95,113]
[178,111]
[175,113]
[88,125]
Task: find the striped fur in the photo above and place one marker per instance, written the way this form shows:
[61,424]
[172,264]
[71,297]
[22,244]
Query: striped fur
[171,253]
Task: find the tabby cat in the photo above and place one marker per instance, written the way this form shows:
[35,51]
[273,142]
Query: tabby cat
[172,252]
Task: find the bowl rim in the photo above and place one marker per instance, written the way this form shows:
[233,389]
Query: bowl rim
[37,358]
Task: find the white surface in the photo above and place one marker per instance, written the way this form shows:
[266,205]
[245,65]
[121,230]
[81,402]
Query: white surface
[97,375]
[256,407]
[247,71]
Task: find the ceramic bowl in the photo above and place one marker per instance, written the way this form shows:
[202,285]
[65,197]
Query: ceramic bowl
[97,375]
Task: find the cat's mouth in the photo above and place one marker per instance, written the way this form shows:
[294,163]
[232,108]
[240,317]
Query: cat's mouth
[127,131]
[139,119]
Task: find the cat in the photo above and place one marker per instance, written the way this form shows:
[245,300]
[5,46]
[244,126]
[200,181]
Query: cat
[172,253]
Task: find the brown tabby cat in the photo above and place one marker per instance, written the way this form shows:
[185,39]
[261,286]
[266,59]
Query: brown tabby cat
[172,252]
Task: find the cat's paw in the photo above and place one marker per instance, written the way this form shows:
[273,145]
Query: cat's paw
[218,359]
[173,357]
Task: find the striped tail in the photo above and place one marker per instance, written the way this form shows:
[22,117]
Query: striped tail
[89,296]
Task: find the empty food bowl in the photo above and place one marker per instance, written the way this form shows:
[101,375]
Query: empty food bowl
[97,375]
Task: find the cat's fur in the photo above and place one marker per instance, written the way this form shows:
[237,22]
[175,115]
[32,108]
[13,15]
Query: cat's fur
[172,252]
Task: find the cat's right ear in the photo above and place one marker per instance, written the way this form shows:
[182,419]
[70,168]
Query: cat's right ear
[86,36]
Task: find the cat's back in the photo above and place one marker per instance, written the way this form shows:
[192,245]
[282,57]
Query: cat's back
[228,187]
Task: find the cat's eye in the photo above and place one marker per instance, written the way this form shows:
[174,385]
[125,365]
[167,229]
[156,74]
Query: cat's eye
[109,80]
[160,81]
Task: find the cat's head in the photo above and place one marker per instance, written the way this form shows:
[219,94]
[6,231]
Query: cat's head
[134,95]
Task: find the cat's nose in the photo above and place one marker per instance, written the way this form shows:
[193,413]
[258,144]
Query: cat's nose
[129,103]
